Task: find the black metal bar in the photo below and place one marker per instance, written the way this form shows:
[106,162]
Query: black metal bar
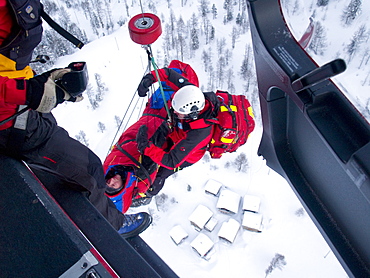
[314,137]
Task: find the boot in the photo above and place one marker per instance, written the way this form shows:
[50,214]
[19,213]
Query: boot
[134,224]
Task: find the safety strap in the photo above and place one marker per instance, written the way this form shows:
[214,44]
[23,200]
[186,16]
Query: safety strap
[140,166]
[202,123]
[63,32]
[154,115]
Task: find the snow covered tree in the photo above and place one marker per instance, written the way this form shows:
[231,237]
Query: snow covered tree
[238,19]
[212,33]
[230,80]
[211,78]
[229,15]
[101,87]
[221,45]
[220,71]
[81,137]
[181,38]
[356,41]
[118,121]
[55,45]
[296,7]
[277,262]
[194,38]
[172,29]
[50,7]
[204,7]
[166,46]
[206,59]
[91,97]
[227,4]
[214,11]
[351,11]
[152,7]
[365,57]
[228,55]
[208,30]
[206,158]
[247,67]
[241,163]
[322,3]
[318,43]
[234,36]
[169,4]
[101,127]
[299,212]
[244,22]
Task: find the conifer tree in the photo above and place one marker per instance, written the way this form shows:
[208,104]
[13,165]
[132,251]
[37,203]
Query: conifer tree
[318,43]
[81,137]
[356,41]
[204,7]
[277,262]
[322,3]
[351,11]
[101,127]
[214,11]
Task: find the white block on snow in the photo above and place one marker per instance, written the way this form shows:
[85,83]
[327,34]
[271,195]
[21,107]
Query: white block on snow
[213,187]
[251,203]
[229,230]
[178,234]
[252,221]
[202,244]
[211,224]
[228,201]
[200,217]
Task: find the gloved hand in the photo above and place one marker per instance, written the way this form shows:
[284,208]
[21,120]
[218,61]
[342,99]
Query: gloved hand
[144,85]
[43,94]
[142,138]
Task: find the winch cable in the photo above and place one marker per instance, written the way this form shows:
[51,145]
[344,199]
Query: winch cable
[126,116]
[152,61]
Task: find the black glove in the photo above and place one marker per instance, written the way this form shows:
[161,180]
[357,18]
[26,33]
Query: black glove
[160,135]
[43,94]
[144,85]
[142,138]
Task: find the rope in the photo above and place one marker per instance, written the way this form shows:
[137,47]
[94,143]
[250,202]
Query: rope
[151,62]
[148,69]
[123,119]
[141,7]
[151,58]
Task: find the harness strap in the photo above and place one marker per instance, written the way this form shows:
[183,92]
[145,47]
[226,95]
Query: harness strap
[63,32]
[154,115]
[140,166]
[202,123]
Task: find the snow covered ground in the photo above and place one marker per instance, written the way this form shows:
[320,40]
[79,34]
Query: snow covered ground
[286,228]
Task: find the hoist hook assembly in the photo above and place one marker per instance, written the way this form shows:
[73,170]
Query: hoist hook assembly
[145,28]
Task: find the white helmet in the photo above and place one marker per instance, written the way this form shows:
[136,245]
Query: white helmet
[188,99]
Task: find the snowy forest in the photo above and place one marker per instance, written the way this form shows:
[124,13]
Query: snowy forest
[186,36]
[183,37]
[213,36]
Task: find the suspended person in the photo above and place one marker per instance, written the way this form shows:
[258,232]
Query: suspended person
[156,101]
[35,137]
[128,173]
[192,115]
